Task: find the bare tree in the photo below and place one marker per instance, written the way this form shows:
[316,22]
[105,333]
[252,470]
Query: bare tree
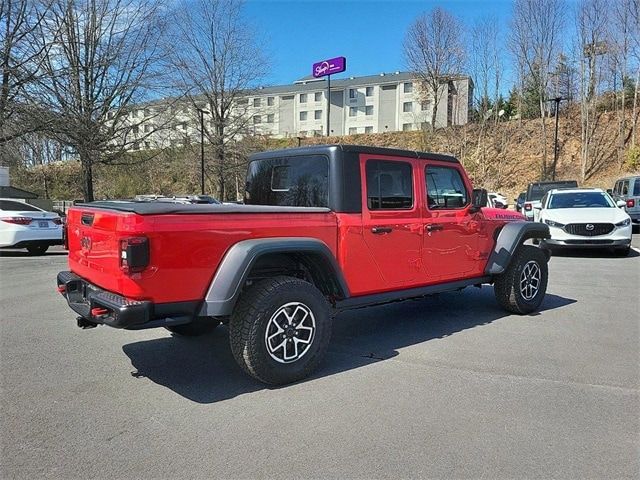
[218,59]
[101,63]
[19,66]
[435,52]
[592,23]
[536,29]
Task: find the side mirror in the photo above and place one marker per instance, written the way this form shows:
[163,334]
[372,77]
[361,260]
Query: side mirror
[479,199]
[621,204]
[498,205]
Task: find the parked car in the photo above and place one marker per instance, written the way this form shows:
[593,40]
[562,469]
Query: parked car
[537,190]
[628,190]
[497,200]
[520,201]
[585,218]
[24,226]
[323,229]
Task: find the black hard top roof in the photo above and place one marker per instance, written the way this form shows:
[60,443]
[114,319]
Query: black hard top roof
[323,149]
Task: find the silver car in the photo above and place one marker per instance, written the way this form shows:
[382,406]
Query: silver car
[628,190]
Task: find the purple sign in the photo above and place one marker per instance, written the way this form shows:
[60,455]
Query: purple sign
[329,67]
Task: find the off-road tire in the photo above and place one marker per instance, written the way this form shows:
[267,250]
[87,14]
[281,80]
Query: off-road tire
[200,326]
[507,284]
[250,319]
[37,249]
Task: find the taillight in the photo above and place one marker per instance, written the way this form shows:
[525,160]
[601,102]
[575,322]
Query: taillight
[134,254]
[57,220]
[17,220]
[528,207]
[631,203]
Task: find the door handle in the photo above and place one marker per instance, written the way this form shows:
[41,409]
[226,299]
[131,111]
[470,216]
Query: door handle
[434,227]
[381,230]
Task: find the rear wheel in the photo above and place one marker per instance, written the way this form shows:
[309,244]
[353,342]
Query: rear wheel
[200,326]
[37,249]
[522,286]
[280,330]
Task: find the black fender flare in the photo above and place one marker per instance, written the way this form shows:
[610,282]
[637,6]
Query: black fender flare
[233,270]
[509,239]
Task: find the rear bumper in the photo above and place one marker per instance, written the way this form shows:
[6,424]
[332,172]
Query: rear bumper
[102,307]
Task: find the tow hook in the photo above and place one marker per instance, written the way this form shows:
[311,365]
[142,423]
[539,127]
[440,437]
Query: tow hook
[84,324]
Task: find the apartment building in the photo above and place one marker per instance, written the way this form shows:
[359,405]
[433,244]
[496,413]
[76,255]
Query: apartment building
[387,102]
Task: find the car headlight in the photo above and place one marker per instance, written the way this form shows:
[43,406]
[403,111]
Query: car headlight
[625,223]
[551,223]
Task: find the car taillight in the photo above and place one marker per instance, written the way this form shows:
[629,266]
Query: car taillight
[134,254]
[527,207]
[631,203]
[17,220]
[57,221]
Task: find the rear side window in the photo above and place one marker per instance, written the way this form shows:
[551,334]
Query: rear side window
[389,185]
[625,188]
[445,188]
[636,187]
[20,206]
[301,181]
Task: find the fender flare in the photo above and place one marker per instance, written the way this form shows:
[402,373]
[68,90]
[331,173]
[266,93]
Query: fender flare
[509,239]
[235,266]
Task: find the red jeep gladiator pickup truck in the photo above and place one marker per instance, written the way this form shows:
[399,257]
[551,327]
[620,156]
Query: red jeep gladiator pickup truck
[323,229]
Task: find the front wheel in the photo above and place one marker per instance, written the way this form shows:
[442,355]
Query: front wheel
[522,286]
[280,330]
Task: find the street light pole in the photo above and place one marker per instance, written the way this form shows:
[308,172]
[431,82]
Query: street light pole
[202,112]
[557,100]
[328,103]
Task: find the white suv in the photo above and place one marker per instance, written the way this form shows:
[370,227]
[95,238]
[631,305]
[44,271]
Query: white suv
[25,226]
[585,217]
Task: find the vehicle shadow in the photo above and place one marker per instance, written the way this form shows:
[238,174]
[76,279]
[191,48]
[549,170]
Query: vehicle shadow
[591,253]
[203,369]
[24,253]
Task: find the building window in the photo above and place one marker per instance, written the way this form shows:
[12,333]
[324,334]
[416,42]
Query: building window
[353,111]
[426,105]
[243,101]
[147,112]
[368,110]
[146,145]
[147,128]
[318,96]
[270,118]
[369,92]
[303,133]
[257,119]
[353,130]
[135,129]
[407,107]
[303,116]
[303,98]
[256,102]
[408,87]
[406,127]
[136,146]
[368,129]
[352,93]
[270,101]
[317,114]
[184,127]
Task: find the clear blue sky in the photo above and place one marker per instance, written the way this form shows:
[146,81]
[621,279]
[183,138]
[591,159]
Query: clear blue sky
[369,33]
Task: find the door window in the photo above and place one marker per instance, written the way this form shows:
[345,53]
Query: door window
[445,189]
[389,185]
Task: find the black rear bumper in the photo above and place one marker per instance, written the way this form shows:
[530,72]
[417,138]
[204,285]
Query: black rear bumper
[102,307]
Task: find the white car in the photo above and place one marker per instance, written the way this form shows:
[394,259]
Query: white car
[25,226]
[497,200]
[585,217]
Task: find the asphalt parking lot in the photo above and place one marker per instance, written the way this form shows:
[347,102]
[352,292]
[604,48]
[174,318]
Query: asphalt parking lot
[448,386]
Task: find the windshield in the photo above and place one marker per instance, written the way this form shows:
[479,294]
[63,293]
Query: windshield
[538,190]
[580,200]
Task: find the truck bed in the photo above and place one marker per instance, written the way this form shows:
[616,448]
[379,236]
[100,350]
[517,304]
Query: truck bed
[165,208]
